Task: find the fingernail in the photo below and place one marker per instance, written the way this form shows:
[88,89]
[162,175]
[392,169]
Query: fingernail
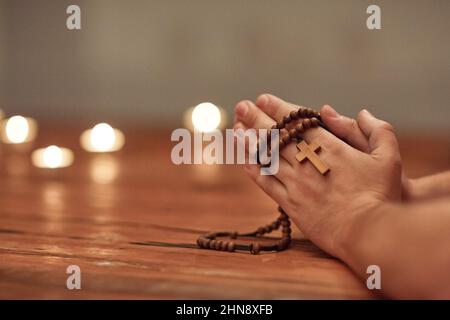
[332,112]
[262,100]
[241,109]
[237,125]
[365,110]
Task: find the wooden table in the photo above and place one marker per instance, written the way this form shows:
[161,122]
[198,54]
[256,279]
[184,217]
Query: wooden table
[130,220]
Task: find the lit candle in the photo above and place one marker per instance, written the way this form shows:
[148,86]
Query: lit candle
[18,129]
[102,138]
[205,117]
[52,157]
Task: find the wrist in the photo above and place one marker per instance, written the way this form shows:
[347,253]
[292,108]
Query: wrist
[358,227]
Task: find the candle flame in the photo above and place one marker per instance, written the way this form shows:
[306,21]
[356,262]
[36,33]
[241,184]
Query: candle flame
[17,129]
[53,157]
[103,137]
[206,117]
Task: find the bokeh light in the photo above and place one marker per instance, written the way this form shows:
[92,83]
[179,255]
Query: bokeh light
[17,129]
[206,117]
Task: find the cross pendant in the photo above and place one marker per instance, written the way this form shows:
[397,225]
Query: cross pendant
[309,152]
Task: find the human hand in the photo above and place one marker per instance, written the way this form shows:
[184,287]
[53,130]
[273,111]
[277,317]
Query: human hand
[325,207]
[348,129]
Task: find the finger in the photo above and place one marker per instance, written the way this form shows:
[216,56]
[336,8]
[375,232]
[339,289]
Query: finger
[274,107]
[277,108]
[282,170]
[380,134]
[269,184]
[252,117]
[344,128]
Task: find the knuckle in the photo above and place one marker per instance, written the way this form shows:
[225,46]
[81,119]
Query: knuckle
[252,115]
[395,160]
[292,197]
[353,124]
[350,128]
[384,125]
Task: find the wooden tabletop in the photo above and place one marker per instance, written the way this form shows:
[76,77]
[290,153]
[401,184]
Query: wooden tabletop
[130,220]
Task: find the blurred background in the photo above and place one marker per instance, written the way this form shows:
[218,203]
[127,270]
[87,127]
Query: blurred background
[86,178]
[142,63]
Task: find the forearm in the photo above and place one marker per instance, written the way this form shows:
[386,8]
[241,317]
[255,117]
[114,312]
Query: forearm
[410,245]
[428,187]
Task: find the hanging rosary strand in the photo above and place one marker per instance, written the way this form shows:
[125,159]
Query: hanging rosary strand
[291,128]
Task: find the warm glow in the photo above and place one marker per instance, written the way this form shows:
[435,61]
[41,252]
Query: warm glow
[102,138]
[206,117]
[104,169]
[52,157]
[17,129]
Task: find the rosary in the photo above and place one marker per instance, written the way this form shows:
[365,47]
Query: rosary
[305,118]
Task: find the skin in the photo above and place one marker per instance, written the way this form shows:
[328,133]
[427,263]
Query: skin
[364,211]
[348,130]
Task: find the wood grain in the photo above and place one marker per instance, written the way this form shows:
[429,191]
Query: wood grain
[130,221]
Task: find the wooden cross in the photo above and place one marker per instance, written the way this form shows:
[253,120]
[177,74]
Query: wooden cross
[309,152]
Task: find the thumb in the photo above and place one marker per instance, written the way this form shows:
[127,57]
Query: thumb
[380,134]
[344,128]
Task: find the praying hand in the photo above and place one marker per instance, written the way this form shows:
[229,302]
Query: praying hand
[365,211]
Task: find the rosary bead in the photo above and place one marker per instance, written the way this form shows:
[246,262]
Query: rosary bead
[286,223]
[211,244]
[255,248]
[268,229]
[230,246]
[287,119]
[210,235]
[260,231]
[286,139]
[286,230]
[314,122]
[280,125]
[275,225]
[293,133]
[218,245]
[302,112]
[283,214]
[294,114]
[281,245]
[307,123]
[224,246]
[299,128]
